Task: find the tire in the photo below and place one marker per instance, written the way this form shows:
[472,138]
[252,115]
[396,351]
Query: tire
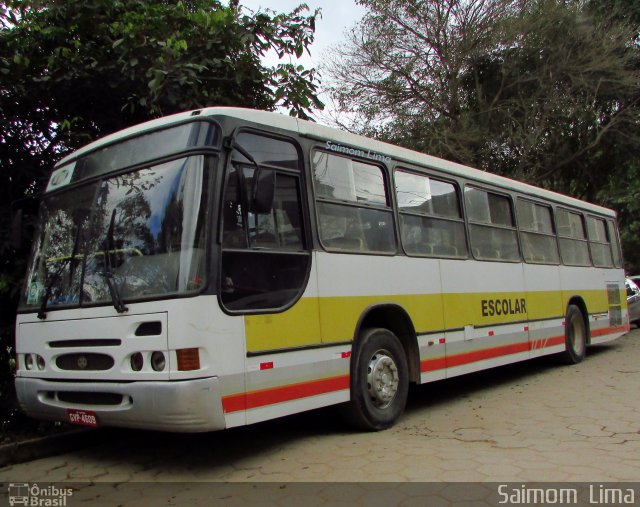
[379,381]
[576,334]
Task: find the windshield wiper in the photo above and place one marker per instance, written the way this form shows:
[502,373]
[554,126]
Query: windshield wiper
[42,312]
[116,297]
[55,277]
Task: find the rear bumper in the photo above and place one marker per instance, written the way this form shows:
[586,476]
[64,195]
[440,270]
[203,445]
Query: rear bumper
[180,406]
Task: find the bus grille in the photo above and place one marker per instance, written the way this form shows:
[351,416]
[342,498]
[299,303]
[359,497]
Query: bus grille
[85,362]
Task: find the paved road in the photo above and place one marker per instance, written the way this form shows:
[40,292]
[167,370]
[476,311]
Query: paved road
[535,421]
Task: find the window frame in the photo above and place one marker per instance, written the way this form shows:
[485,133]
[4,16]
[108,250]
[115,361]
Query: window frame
[616,248]
[388,208]
[553,234]
[593,242]
[473,223]
[585,240]
[307,243]
[432,216]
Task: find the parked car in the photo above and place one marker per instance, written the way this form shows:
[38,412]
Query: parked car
[635,279]
[633,299]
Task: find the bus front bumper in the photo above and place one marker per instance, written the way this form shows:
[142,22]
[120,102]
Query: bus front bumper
[179,406]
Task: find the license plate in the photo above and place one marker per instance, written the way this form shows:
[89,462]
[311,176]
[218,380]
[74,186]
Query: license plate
[82,417]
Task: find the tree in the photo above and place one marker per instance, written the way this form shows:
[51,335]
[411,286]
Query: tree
[404,65]
[544,91]
[74,70]
[531,89]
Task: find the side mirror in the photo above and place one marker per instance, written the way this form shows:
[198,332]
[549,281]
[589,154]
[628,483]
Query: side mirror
[263,192]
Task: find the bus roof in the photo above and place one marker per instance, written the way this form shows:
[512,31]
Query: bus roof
[323,133]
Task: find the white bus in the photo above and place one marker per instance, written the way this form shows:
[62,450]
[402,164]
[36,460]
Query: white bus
[225,266]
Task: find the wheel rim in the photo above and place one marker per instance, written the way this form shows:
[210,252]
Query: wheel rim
[577,335]
[382,379]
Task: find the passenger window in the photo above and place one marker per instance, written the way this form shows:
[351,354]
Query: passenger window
[599,243]
[574,249]
[430,217]
[615,243]
[353,208]
[345,179]
[492,229]
[539,245]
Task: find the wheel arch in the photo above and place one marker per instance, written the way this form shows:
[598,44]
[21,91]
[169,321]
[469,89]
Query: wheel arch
[393,317]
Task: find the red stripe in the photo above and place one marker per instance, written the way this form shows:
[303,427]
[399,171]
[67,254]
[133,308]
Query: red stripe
[245,401]
[610,330]
[433,364]
[547,342]
[481,355]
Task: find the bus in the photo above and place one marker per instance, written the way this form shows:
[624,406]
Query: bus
[225,266]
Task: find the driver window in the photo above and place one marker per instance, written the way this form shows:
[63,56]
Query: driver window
[264,256]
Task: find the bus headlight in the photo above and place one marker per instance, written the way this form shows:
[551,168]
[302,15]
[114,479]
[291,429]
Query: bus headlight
[137,361]
[158,361]
[28,361]
[40,362]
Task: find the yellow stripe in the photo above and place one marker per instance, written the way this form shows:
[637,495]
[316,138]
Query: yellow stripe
[333,319]
[296,327]
[340,315]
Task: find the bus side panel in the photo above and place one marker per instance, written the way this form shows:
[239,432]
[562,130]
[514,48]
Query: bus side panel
[485,315]
[546,309]
[353,285]
[291,382]
[597,289]
[350,285]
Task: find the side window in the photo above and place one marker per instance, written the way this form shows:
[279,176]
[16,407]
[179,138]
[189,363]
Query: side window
[615,243]
[354,212]
[279,228]
[492,230]
[574,248]
[264,256]
[537,234]
[599,242]
[430,217]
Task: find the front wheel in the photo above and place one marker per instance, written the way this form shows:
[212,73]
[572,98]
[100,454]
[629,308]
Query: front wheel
[379,380]
[575,336]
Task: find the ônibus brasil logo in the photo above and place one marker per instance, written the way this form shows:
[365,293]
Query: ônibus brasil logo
[22,493]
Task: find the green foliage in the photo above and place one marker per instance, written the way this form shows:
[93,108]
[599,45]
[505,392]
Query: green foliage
[74,70]
[622,192]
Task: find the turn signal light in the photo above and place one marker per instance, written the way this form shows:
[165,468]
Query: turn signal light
[188,359]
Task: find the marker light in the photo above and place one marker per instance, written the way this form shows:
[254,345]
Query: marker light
[158,361]
[137,361]
[188,359]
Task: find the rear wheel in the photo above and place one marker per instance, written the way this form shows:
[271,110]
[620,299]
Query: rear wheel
[379,380]
[575,336]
